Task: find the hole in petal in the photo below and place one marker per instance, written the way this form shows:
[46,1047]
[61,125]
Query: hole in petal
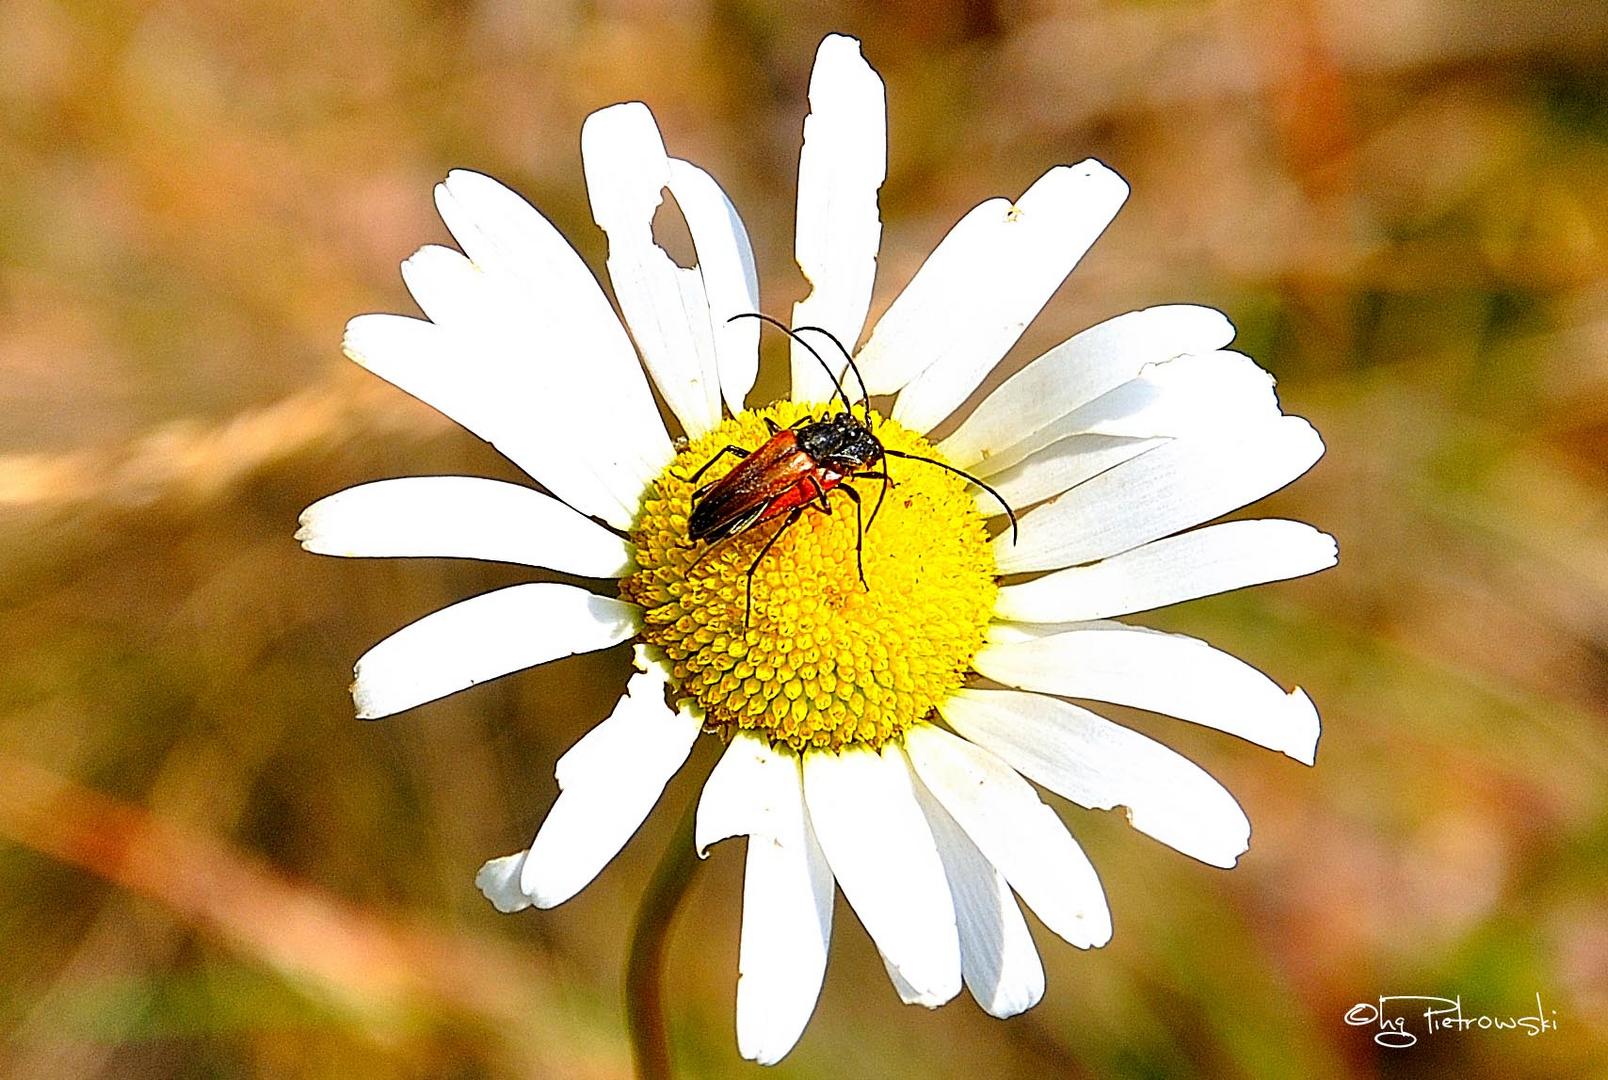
[670,232]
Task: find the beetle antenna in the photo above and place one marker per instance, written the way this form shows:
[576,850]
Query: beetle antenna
[783,327]
[961,472]
[865,396]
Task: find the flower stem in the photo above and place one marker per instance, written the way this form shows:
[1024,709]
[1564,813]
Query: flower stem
[644,999]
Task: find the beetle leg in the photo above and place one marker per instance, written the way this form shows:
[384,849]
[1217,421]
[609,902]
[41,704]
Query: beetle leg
[887,482]
[693,479]
[859,540]
[748,605]
[710,546]
[820,494]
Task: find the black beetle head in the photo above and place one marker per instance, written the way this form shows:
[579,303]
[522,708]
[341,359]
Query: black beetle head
[840,443]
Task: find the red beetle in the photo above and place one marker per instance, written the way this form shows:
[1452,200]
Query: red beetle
[796,468]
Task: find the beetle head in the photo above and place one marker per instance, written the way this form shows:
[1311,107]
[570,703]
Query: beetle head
[841,443]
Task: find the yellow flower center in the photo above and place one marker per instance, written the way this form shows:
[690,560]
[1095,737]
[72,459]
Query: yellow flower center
[821,660]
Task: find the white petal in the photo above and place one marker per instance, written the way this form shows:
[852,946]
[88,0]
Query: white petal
[787,925]
[1196,392]
[1160,492]
[498,881]
[1101,765]
[882,853]
[1193,394]
[756,791]
[466,381]
[1193,564]
[455,293]
[1061,465]
[463,517]
[730,281]
[558,327]
[980,288]
[1166,673]
[997,956]
[840,169]
[746,792]
[901,986]
[664,305]
[485,637]
[608,781]
[1075,372]
[1016,832]
[1009,633]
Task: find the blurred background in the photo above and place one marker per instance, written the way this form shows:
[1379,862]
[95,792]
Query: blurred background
[209,868]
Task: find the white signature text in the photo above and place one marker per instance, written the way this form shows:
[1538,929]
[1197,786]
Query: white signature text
[1396,1015]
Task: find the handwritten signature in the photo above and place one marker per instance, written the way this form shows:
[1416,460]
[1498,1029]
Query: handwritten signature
[1391,1014]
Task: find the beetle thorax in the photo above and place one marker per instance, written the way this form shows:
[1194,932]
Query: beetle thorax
[841,443]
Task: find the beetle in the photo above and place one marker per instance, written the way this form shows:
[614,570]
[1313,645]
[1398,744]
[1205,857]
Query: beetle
[797,468]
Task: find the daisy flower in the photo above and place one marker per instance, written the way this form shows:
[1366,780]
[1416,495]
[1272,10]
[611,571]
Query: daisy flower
[860,749]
